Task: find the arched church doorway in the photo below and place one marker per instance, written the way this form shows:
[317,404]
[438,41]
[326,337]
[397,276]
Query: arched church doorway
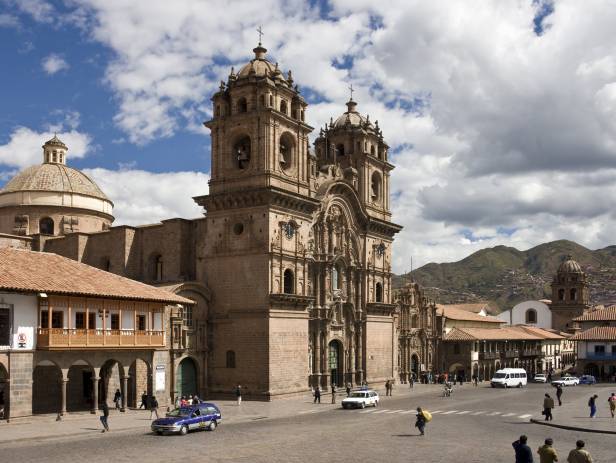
[186,381]
[138,383]
[415,365]
[111,380]
[335,363]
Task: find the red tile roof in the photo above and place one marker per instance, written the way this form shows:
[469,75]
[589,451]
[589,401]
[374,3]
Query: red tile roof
[598,333]
[42,272]
[606,314]
[470,307]
[509,333]
[455,313]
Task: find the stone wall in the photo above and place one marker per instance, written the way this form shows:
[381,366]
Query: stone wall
[288,353]
[379,348]
[20,371]
[16,242]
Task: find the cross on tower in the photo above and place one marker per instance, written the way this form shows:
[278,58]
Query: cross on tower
[351,89]
[260,31]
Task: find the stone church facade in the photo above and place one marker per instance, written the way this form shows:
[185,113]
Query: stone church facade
[290,267]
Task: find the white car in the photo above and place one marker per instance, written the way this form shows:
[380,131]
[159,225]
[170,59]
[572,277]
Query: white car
[540,378]
[566,381]
[361,399]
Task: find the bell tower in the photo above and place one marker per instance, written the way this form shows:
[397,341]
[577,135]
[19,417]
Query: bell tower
[570,295]
[356,145]
[258,130]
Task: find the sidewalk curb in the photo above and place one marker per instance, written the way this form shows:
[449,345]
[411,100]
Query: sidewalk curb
[572,428]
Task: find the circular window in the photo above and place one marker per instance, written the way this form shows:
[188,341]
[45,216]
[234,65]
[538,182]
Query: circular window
[238,228]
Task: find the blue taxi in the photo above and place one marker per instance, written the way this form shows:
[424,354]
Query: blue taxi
[181,420]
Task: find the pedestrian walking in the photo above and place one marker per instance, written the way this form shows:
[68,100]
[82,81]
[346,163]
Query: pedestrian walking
[348,389]
[523,453]
[548,405]
[579,454]
[387,388]
[153,407]
[412,380]
[317,395]
[391,388]
[117,399]
[144,401]
[612,403]
[546,452]
[422,417]
[238,394]
[105,416]
[592,403]
[559,394]
[549,379]
[333,393]
[475,380]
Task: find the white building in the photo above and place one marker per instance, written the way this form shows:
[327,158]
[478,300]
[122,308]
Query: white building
[532,313]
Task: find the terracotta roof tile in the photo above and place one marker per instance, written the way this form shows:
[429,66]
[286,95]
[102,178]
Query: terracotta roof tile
[606,314]
[455,313]
[42,272]
[598,333]
[470,307]
[513,333]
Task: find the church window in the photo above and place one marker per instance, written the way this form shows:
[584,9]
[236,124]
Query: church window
[531,316]
[379,292]
[156,267]
[230,359]
[289,282]
[561,294]
[414,321]
[271,98]
[302,115]
[46,226]
[262,101]
[54,156]
[340,150]
[283,106]
[375,192]
[188,315]
[286,151]
[372,152]
[336,278]
[242,105]
[238,228]
[241,152]
[217,112]
[573,294]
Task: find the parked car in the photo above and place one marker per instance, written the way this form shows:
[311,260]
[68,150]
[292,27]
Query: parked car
[566,381]
[181,420]
[361,399]
[587,379]
[509,377]
[540,378]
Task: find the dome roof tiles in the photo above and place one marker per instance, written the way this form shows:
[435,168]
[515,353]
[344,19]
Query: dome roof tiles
[54,178]
[569,266]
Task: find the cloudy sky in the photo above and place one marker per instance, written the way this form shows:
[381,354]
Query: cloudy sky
[501,115]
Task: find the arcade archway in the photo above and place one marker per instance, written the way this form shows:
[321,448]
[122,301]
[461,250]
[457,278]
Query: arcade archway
[186,380]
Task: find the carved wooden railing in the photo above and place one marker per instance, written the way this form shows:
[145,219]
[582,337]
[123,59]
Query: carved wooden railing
[98,338]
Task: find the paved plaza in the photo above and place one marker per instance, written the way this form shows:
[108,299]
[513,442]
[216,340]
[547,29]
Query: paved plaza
[474,425]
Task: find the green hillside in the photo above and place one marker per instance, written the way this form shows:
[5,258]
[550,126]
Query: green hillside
[507,276]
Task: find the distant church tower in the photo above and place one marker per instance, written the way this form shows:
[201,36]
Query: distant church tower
[570,297]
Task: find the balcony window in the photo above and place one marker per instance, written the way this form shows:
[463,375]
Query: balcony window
[115,321]
[599,350]
[141,322]
[57,319]
[80,320]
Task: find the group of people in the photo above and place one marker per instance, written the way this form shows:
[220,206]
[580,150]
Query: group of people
[186,400]
[548,404]
[547,453]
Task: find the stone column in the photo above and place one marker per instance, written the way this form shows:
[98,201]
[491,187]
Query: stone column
[124,392]
[95,380]
[360,356]
[63,407]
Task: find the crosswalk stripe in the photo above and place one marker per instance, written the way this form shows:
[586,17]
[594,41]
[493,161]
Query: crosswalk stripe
[494,413]
[435,411]
[463,413]
[381,411]
[394,411]
[525,416]
[407,411]
[305,412]
[372,410]
[450,412]
[509,414]
[478,413]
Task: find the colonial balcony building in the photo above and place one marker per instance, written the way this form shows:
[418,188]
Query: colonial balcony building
[596,343]
[71,335]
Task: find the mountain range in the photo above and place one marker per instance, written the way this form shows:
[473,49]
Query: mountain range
[505,275]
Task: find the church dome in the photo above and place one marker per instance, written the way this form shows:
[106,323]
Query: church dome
[56,178]
[352,117]
[259,66]
[569,266]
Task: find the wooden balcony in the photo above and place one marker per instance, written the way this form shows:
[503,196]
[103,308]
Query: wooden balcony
[62,338]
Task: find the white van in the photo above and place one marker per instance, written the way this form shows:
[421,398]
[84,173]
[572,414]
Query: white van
[509,377]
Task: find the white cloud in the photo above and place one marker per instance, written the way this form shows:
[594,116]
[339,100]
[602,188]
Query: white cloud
[9,20]
[142,197]
[54,63]
[24,147]
[500,136]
